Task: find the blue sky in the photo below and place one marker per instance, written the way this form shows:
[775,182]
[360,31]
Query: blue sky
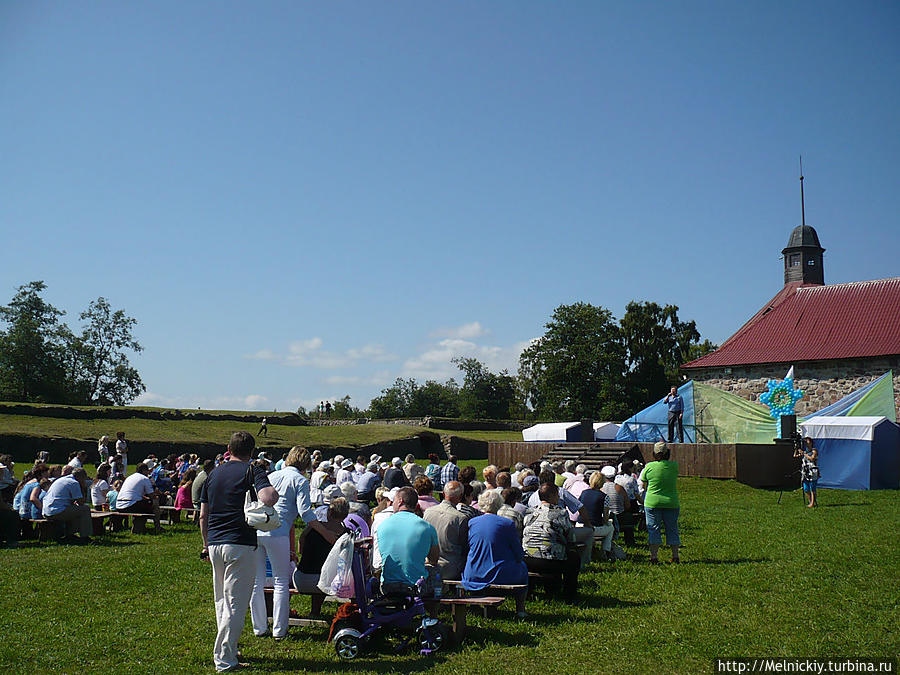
[306,200]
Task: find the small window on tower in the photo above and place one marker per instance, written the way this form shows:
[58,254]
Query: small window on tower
[795,260]
[811,262]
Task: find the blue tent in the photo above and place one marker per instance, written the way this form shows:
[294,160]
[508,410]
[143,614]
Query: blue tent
[651,424]
[856,453]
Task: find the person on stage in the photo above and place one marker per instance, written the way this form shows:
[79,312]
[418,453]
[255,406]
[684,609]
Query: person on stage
[676,414]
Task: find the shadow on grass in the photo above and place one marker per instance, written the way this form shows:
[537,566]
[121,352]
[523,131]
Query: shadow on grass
[375,661]
[838,506]
[95,542]
[495,636]
[731,561]
[583,601]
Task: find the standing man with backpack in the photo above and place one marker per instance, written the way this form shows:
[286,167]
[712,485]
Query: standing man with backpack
[230,543]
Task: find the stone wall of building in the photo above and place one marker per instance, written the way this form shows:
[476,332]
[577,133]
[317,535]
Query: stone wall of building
[822,382]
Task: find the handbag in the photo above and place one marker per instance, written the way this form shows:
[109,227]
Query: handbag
[258,515]
[336,577]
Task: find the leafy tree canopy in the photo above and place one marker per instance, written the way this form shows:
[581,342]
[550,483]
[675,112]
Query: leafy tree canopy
[42,360]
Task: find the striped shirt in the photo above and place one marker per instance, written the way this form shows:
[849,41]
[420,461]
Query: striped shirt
[616,502]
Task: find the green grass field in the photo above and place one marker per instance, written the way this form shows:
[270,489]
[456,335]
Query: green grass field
[187,431]
[758,579]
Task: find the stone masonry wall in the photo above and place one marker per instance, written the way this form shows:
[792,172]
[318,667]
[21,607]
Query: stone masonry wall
[822,382]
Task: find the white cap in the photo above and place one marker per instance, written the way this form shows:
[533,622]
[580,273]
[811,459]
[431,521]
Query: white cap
[390,494]
[608,471]
[397,461]
[373,466]
[331,492]
[324,466]
[338,459]
[385,466]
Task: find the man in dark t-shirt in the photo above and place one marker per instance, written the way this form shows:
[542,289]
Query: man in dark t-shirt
[395,477]
[230,543]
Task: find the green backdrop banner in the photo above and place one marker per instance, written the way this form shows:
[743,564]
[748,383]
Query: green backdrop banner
[725,418]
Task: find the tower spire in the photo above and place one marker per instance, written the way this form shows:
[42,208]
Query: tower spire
[802,200]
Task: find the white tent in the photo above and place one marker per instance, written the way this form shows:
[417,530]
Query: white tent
[553,432]
[605,431]
[856,453]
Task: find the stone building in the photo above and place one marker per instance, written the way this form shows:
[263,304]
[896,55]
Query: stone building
[838,337]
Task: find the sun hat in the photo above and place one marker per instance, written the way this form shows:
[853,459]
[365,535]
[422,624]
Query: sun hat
[373,466]
[324,466]
[337,459]
[659,447]
[331,492]
[385,466]
[530,480]
[347,463]
[375,458]
[397,461]
[608,471]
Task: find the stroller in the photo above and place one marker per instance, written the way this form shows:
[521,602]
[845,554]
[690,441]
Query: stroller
[400,608]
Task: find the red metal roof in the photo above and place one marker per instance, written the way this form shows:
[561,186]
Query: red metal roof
[812,323]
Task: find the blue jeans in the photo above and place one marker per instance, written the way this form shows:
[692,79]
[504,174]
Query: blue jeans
[668,518]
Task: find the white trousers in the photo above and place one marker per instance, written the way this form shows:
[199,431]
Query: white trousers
[278,549]
[584,535]
[234,569]
[604,533]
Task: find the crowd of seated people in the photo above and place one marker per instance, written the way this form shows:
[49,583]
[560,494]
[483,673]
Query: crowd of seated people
[482,530]
[65,495]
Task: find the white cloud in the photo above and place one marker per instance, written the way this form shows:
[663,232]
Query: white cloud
[255,401]
[467,331]
[247,402]
[309,353]
[263,355]
[372,352]
[380,378]
[149,398]
[435,363]
[322,360]
[305,346]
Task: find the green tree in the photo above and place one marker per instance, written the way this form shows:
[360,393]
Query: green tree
[102,348]
[485,395]
[343,410]
[32,348]
[577,368]
[436,399]
[657,343]
[394,401]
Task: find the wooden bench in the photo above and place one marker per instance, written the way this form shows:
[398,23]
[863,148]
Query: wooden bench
[47,530]
[98,522]
[504,590]
[458,608]
[175,514]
